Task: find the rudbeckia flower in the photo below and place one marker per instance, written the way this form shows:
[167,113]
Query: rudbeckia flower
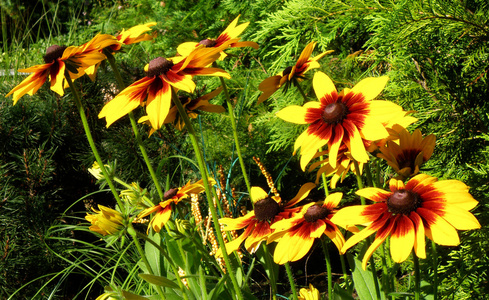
[344,163]
[229,36]
[105,221]
[296,235]
[58,60]
[407,154]
[257,223]
[192,106]
[347,118]
[133,35]
[311,293]
[297,71]
[163,209]
[408,213]
[155,90]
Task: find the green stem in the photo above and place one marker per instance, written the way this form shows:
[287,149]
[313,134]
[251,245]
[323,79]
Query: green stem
[343,268]
[301,91]
[435,270]
[208,192]
[88,134]
[133,233]
[291,280]
[328,266]
[323,177]
[417,279]
[269,264]
[168,258]
[359,179]
[135,129]
[386,283]
[235,134]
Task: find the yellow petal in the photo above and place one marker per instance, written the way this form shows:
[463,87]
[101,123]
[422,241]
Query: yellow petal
[370,87]
[323,85]
[402,239]
[293,114]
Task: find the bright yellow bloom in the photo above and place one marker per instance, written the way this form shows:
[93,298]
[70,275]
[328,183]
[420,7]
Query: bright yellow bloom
[155,90]
[257,223]
[309,294]
[105,221]
[407,154]
[96,171]
[408,213]
[229,35]
[349,118]
[296,235]
[58,60]
[163,209]
[133,35]
[297,71]
[192,106]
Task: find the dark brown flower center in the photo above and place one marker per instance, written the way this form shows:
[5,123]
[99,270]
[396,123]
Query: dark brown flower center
[53,52]
[403,202]
[315,213]
[159,66]
[287,71]
[208,43]
[407,158]
[335,112]
[170,194]
[266,209]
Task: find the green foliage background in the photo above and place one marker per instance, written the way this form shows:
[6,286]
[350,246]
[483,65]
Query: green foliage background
[435,53]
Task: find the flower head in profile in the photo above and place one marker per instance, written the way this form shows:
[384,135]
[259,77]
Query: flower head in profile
[296,235]
[407,154]
[105,221]
[192,107]
[133,35]
[407,213]
[349,118]
[286,77]
[155,90]
[163,209]
[229,37]
[311,293]
[60,61]
[257,223]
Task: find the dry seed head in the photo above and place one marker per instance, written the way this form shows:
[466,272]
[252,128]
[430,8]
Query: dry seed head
[267,176]
[181,272]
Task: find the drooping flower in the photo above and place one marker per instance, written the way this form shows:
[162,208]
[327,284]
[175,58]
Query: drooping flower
[192,106]
[133,35]
[348,118]
[105,221]
[257,223]
[163,209]
[296,235]
[407,154]
[297,71]
[407,213]
[311,293]
[58,60]
[155,90]
[229,35]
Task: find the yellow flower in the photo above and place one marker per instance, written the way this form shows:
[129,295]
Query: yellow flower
[297,71]
[163,209]
[349,118]
[229,36]
[155,90]
[58,60]
[257,223]
[133,35]
[105,221]
[407,213]
[96,171]
[407,154]
[296,235]
[309,294]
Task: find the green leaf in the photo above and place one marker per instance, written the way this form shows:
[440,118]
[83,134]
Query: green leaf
[130,296]
[340,293]
[153,254]
[160,281]
[363,280]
